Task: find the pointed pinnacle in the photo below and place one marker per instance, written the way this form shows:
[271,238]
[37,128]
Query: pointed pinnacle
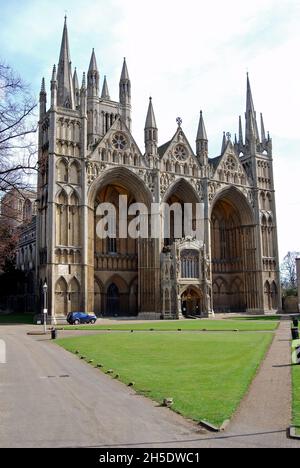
[54,73]
[75,80]
[241,137]
[83,81]
[263,133]
[93,63]
[65,49]
[150,120]
[105,92]
[125,74]
[250,104]
[43,87]
[224,143]
[201,135]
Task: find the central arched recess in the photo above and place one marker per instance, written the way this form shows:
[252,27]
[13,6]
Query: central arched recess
[114,261]
[180,193]
[233,253]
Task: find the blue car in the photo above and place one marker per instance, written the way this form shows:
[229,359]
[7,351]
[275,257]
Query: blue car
[77,318]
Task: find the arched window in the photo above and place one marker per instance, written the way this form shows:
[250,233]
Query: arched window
[189,264]
[62,171]
[62,219]
[74,295]
[61,299]
[74,221]
[74,174]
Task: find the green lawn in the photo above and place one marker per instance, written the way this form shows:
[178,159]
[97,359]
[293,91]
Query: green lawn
[259,318]
[296,389]
[207,374]
[16,319]
[209,325]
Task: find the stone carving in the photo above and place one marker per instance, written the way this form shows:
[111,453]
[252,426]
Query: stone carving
[93,171]
[213,188]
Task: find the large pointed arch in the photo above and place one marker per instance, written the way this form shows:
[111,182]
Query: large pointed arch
[183,189]
[117,255]
[125,178]
[233,252]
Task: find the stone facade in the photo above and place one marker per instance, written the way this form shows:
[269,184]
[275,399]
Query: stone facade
[88,155]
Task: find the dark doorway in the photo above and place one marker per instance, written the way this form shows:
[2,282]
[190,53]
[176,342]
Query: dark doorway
[113,301]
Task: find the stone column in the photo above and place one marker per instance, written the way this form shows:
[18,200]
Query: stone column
[298,280]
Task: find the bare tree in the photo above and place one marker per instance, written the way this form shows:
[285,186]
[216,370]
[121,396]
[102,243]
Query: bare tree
[18,148]
[288,270]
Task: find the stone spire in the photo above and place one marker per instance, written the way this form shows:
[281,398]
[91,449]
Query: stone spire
[76,88]
[201,135]
[251,123]
[125,95]
[75,80]
[202,142]
[105,92]
[93,77]
[150,120]
[125,74]
[65,94]
[224,144]
[83,97]
[263,132]
[54,88]
[43,99]
[151,132]
[241,137]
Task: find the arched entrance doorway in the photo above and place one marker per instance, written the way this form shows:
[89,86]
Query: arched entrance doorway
[113,301]
[191,302]
[117,259]
[233,253]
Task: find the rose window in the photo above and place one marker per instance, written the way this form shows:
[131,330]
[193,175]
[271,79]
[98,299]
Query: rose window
[119,141]
[180,152]
[231,164]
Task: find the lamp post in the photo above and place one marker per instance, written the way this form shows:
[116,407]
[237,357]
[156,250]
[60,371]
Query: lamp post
[45,289]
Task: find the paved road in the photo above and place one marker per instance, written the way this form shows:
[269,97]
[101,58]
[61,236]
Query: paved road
[49,398]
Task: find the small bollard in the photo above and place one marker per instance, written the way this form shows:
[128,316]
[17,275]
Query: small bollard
[53,334]
[295,323]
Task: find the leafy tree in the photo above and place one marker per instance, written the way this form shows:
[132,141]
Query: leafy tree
[289,273]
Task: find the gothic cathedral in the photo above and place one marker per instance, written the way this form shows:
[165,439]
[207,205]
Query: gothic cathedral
[88,156]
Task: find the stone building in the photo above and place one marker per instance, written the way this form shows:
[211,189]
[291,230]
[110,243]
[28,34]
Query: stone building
[88,156]
[18,207]
[18,212]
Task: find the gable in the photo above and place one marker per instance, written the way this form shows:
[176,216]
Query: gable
[117,145]
[177,152]
[228,168]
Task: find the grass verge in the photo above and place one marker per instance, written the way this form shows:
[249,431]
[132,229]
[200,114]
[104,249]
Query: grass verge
[186,325]
[206,375]
[296,389]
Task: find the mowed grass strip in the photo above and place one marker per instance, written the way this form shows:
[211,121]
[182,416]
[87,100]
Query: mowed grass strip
[206,375]
[186,325]
[296,392]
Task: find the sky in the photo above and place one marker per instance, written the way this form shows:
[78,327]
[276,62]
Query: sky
[189,56]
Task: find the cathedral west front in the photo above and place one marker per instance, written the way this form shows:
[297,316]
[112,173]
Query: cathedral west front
[88,158]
